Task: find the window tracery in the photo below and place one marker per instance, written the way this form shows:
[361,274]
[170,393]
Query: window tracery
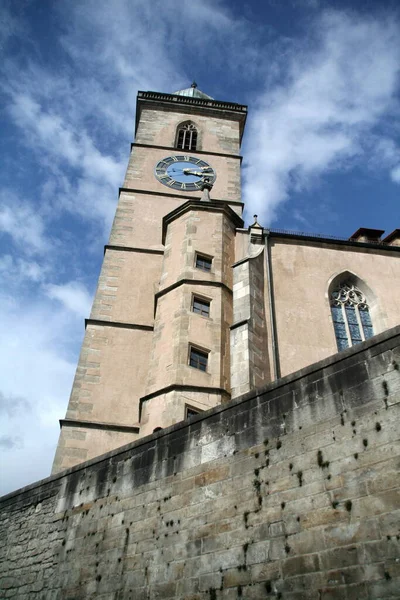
[186,137]
[350,314]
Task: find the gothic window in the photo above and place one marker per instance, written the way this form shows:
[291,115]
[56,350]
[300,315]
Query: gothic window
[186,137]
[350,314]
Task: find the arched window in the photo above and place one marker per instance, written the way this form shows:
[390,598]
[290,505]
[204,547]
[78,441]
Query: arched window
[350,315]
[186,138]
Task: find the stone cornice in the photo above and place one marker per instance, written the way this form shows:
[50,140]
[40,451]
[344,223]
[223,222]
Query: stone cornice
[229,110]
[173,286]
[177,150]
[178,197]
[118,324]
[326,241]
[131,249]
[199,205]
[320,240]
[99,425]
[181,388]
[239,324]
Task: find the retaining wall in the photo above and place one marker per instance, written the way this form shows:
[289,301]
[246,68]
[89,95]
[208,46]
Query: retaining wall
[289,492]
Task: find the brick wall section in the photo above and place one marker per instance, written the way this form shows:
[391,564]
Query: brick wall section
[291,492]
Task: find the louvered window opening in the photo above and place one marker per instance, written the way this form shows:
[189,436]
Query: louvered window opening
[187,137]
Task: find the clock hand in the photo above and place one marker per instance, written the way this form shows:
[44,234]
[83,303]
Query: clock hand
[203,169]
[192,172]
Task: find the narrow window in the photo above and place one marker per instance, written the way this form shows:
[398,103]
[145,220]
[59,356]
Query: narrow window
[198,359]
[191,412]
[186,137]
[203,262]
[201,306]
[350,314]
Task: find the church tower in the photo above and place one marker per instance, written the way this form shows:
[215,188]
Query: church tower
[156,345]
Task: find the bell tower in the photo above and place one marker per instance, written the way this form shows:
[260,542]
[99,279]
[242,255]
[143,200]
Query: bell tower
[156,345]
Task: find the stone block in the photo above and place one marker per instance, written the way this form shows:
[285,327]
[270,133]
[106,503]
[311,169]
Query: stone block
[341,557]
[299,565]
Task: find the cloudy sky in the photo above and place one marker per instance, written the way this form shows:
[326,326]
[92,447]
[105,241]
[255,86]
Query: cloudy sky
[322,153]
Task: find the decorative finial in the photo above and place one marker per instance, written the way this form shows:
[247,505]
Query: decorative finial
[194,85]
[256,232]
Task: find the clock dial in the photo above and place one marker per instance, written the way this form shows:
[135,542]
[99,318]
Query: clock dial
[185,173]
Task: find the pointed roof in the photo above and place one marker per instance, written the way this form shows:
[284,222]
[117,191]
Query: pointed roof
[193,92]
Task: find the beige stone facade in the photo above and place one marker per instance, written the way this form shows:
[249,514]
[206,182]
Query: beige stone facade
[283,318]
[134,372]
[267,294]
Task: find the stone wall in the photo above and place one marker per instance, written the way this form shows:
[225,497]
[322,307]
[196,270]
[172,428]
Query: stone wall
[289,492]
[249,342]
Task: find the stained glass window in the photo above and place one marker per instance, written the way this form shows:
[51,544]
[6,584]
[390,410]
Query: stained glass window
[350,315]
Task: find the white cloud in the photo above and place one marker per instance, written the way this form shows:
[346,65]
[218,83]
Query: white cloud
[36,371]
[16,270]
[10,442]
[74,120]
[339,87]
[12,405]
[73,295]
[19,220]
[395,174]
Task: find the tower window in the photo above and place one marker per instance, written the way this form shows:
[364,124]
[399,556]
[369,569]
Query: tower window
[350,314]
[191,412]
[203,262]
[198,358]
[201,306]
[186,137]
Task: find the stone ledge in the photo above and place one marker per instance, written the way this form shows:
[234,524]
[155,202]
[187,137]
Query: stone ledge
[181,388]
[218,206]
[118,324]
[99,425]
[173,149]
[239,324]
[206,282]
[131,249]
[177,197]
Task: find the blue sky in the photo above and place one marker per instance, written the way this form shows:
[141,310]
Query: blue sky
[321,153]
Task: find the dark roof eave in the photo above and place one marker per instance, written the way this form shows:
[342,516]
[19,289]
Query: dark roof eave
[330,240]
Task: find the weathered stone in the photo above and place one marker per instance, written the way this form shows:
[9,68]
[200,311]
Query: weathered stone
[245,520]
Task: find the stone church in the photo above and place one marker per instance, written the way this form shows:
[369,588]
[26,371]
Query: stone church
[192,308]
[233,427]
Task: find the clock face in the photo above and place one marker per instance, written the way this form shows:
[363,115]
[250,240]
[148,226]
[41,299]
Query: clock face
[186,173]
